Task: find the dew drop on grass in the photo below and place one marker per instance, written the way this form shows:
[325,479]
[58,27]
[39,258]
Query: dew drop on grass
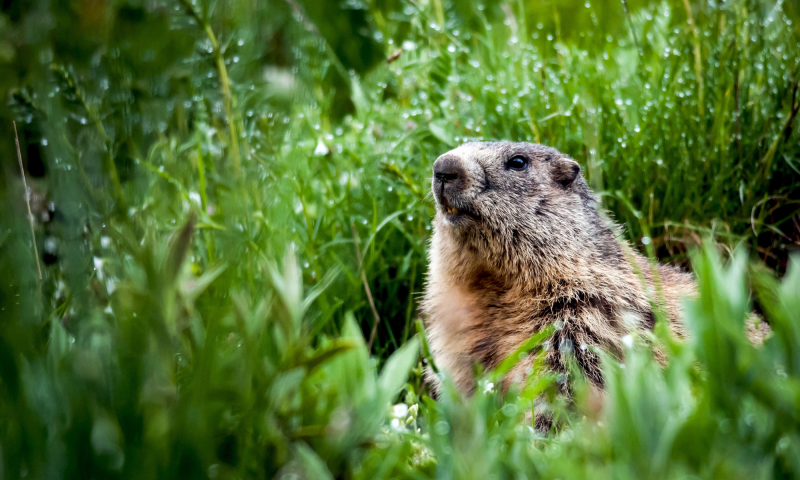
[509,410]
[442,427]
[321,149]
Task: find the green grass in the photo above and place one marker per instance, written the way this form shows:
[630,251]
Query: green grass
[232,181]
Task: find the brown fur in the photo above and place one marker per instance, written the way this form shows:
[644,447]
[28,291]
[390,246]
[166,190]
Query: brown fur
[528,249]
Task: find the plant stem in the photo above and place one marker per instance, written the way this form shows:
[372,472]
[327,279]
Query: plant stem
[28,203]
[225,83]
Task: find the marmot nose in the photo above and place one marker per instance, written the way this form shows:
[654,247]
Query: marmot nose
[448,168]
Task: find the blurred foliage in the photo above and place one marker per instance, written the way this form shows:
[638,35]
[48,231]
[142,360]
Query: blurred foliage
[218,188]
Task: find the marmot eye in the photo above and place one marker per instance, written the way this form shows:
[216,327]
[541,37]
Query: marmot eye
[517,163]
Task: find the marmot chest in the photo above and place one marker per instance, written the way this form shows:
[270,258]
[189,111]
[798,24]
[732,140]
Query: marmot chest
[466,327]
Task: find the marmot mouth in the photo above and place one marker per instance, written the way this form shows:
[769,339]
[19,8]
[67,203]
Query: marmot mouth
[454,214]
[454,211]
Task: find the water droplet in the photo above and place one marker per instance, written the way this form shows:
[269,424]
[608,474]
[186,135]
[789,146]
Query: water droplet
[627,340]
[321,149]
[442,427]
[509,410]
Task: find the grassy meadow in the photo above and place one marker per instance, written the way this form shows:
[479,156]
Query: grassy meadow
[216,271]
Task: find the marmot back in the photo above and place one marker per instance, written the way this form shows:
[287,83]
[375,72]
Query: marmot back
[519,244]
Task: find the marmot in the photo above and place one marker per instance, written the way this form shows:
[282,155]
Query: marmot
[519,244]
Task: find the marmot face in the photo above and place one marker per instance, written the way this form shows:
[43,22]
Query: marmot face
[509,202]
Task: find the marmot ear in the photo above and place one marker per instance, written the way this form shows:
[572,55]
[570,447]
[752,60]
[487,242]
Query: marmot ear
[565,170]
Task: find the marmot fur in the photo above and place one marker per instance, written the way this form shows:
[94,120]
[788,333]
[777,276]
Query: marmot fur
[519,244]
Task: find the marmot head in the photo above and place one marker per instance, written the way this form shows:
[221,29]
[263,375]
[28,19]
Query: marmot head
[517,206]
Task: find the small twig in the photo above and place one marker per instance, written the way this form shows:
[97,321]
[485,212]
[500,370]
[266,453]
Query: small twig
[512,21]
[394,56]
[225,83]
[630,24]
[767,253]
[794,108]
[366,287]
[738,114]
[698,57]
[544,86]
[27,201]
[753,211]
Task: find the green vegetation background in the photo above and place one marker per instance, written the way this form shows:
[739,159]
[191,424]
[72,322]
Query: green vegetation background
[230,210]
